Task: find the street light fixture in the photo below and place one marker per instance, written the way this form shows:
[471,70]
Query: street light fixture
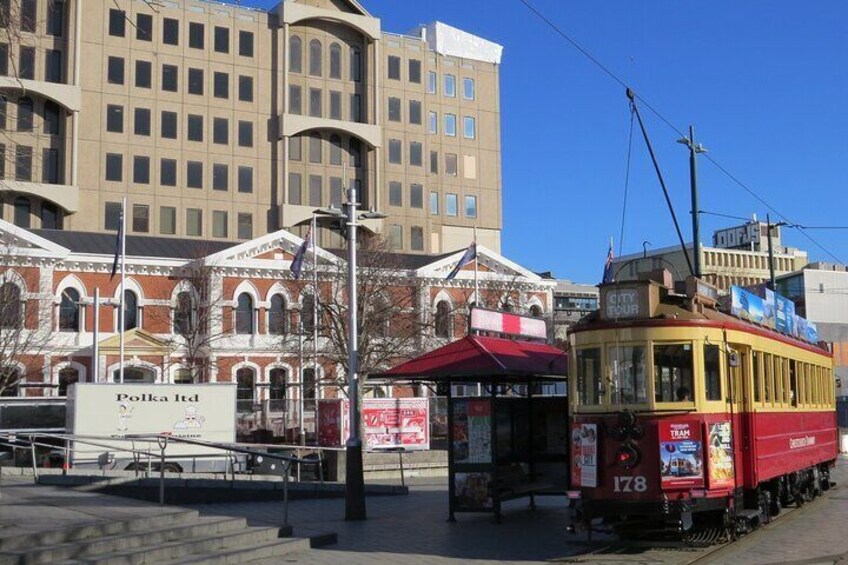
[769,227]
[354,476]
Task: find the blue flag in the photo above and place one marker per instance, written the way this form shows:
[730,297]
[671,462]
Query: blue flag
[608,273]
[297,262]
[470,255]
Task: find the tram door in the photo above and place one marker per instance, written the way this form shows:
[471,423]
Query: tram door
[741,403]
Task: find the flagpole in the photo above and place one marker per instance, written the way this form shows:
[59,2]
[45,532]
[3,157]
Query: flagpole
[121,314]
[476,259]
[315,304]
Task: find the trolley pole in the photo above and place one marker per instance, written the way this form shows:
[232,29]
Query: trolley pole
[694,149]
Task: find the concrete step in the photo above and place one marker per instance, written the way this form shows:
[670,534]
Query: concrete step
[124,541]
[271,551]
[96,530]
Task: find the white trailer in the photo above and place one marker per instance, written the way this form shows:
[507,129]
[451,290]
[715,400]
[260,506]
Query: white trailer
[107,411]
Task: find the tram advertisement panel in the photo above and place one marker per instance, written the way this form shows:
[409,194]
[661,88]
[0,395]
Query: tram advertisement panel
[584,455]
[720,462]
[681,454]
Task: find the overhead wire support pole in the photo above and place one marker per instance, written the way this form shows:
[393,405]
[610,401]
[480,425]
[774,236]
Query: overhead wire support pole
[694,149]
[632,96]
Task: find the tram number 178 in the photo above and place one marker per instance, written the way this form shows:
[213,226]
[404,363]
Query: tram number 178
[630,484]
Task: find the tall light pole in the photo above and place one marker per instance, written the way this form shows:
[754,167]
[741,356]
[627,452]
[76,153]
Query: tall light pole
[769,226]
[354,476]
[694,149]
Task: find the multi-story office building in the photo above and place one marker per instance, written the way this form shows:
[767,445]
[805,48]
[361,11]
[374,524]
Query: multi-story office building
[220,122]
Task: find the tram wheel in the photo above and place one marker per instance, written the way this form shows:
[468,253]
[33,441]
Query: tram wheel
[765,504]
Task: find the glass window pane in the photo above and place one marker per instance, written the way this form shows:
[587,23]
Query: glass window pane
[434,203]
[471,206]
[589,377]
[167,220]
[628,380]
[712,378]
[673,367]
[451,205]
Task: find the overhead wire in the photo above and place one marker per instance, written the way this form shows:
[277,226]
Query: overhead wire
[585,52]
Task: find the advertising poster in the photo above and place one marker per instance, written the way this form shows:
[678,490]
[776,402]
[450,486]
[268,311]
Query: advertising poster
[479,431]
[460,431]
[746,305]
[396,422]
[681,454]
[584,455]
[330,423]
[473,491]
[720,451]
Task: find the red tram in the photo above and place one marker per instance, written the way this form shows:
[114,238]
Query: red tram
[683,415]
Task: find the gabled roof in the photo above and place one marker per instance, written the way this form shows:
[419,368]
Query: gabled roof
[137,246]
[250,250]
[354,6]
[18,240]
[136,341]
[484,358]
[494,261]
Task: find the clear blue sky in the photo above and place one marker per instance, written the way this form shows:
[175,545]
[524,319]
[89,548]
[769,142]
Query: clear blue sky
[764,83]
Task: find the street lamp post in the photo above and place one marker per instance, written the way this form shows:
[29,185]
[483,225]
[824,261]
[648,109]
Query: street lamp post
[354,475]
[769,227]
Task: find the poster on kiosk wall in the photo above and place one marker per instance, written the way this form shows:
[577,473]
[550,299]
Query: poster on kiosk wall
[681,454]
[584,455]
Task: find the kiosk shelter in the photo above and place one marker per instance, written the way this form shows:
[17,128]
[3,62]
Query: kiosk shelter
[511,440]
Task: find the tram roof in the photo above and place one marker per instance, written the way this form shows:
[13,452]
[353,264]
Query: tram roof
[483,358]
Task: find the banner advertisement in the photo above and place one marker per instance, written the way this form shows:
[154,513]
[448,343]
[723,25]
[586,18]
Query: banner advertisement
[472,431]
[388,423]
[681,454]
[720,462]
[330,423]
[473,491]
[584,455]
[771,310]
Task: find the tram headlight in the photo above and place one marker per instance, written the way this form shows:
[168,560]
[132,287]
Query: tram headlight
[627,456]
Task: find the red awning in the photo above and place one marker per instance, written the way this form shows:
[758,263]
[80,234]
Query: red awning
[477,357]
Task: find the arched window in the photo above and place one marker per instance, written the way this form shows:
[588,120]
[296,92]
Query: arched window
[277,315]
[335,61]
[130,310]
[51,118]
[244,314]
[310,389]
[67,377]
[277,389]
[135,375]
[184,314]
[442,319]
[245,389]
[10,381]
[22,212]
[535,311]
[315,147]
[51,218]
[355,152]
[307,314]
[69,311]
[380,312]
[355,64]
[25,114]
[295,54]
[10,306]
[315,58]
[335,150]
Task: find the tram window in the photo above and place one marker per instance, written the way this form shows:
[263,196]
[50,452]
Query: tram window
[627,374]
[712,375]
[781,385]
[758,379]
[589,391]
[793,383]
[673,372]
[768,378]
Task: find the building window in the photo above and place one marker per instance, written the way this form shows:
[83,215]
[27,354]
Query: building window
[196,32]
[221,85]
[114,118]
[416,154]
[245,179]
[394,109]
[335,149]
[415,112]
[295,54]
[295,103]
[335,105]
[112,216]
[194,174]
[170,31]
[52,118]
[117,23]
[315,190]
[277,315]
[170,78]
[184,314]
[434,203]
[49,166]
[219,223]
[195,81]
[244,314]
[277,390]
[141,218]
[12,306]
[395,151]
[396,236]
[29,9]
[432,82]
[415,71]
[434,122]
[434,162]
[450,164]
[4,59]
[143,71]
[315,102]
[245,133]
[355,108]
[442,325]
[220,131]
[470,206]
[294,188]
[245,88]
[295,148]
[131,317]
[315,147]
[355,64]
[114,167]
[144,27]
[22,212]
[69,311]
[142,121]
[395,193]
[169,125]
[26,66]
[53,66]
[168,172]
[451,204]
[115,70]
[67,377]
[245,225]
[355,153]
[51,217]
[468,91]
[23,163]
[416,196]
[336,192]
[416,238]
[450,86]
[141,169]
[450,125]
[195,127]
[335,61]
[222,39]
[220,177]
[246,43]
[55,18]
[245,389]
[194,221]
[468,127]
[394,67]
[315,56]
[167,220]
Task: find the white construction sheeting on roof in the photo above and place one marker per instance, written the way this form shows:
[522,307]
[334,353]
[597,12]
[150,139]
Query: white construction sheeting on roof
[453,42]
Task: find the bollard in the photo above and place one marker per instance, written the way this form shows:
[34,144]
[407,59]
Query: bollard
[163,443]
[34,465]
[66,463]
[286,529]
[402,479]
